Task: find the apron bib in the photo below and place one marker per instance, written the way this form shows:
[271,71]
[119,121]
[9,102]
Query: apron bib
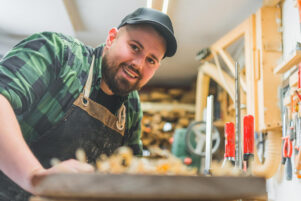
[87,125]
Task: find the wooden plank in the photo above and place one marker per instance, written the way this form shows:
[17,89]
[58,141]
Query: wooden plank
[292,60]
[36,198]
[74,16]
[149,187]
[212,71]
[293,80]
[157,4]
[269,116]
[251,56]
[270,3]
[166,106]
[202,89]
[231,65]
[230,37]
[225,103]
[228,60]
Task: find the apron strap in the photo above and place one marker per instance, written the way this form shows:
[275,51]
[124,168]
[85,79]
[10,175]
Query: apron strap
[120,123]
[88,84]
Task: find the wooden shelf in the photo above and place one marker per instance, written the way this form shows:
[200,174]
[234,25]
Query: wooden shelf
[293,60]
[166,106]
[293,79]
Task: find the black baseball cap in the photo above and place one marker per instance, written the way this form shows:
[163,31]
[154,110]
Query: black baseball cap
[160,21]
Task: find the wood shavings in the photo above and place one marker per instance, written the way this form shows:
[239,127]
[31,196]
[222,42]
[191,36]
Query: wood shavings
[160,162]
[227,170]
[54,161]
[81,155]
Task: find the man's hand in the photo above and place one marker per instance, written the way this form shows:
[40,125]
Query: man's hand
[68,166]
[16,159]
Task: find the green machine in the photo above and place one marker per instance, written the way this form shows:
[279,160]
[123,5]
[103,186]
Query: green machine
[189,144]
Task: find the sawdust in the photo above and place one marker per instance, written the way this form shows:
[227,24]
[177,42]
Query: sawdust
[160,162]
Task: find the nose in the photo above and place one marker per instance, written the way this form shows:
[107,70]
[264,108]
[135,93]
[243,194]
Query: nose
[137,63]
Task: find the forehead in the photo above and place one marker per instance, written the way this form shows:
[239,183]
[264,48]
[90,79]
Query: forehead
[145,34]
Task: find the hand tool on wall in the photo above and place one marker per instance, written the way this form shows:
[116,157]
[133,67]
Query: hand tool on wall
[229,142]
[298,164]
[287,154]
[209,123]
[238,151]
[248,139]
[298,148]
[287,145]
[299,82]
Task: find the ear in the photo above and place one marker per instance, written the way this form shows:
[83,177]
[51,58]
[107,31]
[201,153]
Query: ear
[111,37]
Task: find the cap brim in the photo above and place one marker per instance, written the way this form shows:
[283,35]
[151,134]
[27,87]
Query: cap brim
[171,41]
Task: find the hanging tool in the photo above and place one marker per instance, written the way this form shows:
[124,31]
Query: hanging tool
[209,123]
[287,145]
[299,75]
[238,154]
[287,154]
[229,142]
[298,165]
[298,149]
[287,151]
[248,139]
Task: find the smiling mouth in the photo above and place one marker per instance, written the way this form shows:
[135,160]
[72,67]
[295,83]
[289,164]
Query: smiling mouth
[130,72]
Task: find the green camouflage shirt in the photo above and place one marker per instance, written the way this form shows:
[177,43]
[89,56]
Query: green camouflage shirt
[44,74]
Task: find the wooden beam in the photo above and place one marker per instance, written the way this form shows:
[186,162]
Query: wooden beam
[226,116]
[231,65]
[153,106]
[74,16]
[157,4]
[231,36]
[251,60]
[293,80]
[228,60]
[292,60]
[212,71]
[270,3]
[267,29]
[202,89]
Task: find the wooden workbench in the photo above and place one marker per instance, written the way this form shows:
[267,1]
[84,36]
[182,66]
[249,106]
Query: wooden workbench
[96,187]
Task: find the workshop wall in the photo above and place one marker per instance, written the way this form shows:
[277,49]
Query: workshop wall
[279,187]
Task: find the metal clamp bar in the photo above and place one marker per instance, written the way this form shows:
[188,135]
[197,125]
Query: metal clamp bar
[238,138]
[209,123]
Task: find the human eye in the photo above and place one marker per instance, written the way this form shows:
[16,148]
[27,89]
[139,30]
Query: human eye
[150,60]
[134,47]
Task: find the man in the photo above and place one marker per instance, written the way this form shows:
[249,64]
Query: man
[57,95]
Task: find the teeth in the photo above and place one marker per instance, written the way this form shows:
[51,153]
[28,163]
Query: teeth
[129,73]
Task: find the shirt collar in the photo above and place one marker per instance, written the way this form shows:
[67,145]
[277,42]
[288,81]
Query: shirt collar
[98,60]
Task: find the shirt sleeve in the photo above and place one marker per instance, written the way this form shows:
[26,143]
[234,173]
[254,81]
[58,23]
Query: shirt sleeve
[134,131]
[26,70]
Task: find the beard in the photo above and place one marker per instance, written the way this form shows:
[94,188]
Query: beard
[118,85]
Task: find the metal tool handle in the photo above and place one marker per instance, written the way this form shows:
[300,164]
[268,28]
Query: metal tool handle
[229,140]
[298,164]
[289,171]
[209,123]
[248,136]
[238,152]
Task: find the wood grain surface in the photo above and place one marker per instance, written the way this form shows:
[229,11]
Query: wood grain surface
[98,186]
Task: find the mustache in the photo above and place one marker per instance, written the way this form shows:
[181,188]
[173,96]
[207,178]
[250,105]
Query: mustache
[131,67]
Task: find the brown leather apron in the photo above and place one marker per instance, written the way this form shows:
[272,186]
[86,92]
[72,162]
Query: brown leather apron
[87,125]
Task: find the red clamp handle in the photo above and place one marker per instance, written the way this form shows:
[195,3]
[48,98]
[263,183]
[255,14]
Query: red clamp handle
[229,140]
[249,134]
[287,147]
